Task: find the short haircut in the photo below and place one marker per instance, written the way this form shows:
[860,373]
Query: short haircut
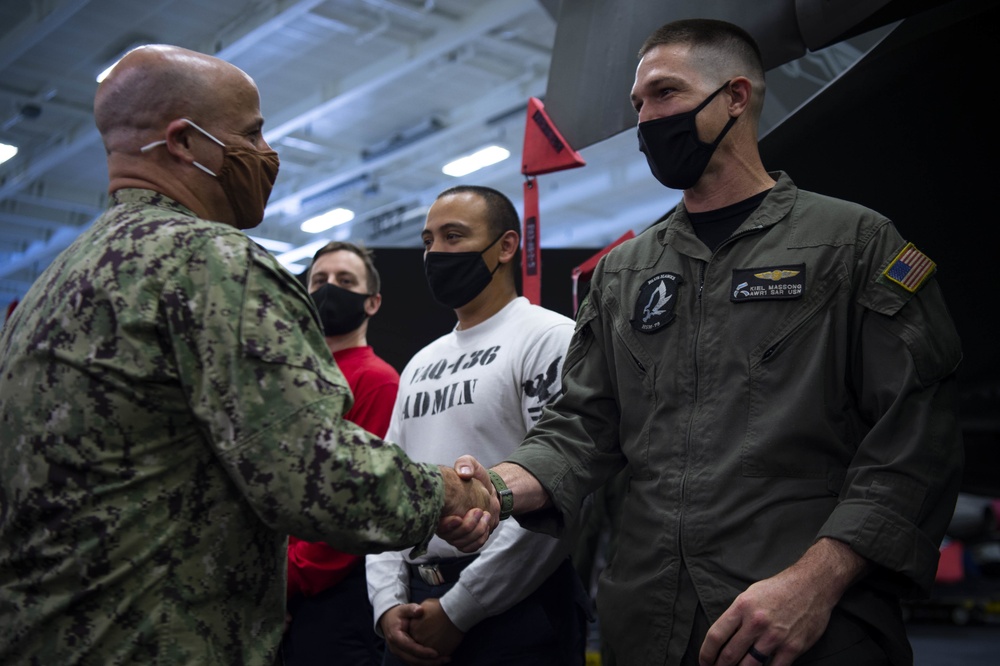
[500,212]
[728,48]
[374,284]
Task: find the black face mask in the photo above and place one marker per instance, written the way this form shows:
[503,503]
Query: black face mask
[676,156]
[340,310]
[455,278]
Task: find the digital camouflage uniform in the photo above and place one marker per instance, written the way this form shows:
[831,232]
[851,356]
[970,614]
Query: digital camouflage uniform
[168,414]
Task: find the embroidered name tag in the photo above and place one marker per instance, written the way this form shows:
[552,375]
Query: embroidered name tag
[768,284]
[910,268]
[654,306]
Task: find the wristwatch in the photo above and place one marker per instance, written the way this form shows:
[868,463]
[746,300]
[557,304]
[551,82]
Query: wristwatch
[505,494]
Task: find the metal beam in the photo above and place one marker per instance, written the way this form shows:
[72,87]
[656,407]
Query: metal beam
[62,199]
[32,222]
[80,139]
[76,141]
[43,252]
[31,31]
[69,143]
[250,32]
[475,116]
[365,81]
[399,65]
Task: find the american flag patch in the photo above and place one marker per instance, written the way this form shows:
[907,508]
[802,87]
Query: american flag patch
[910,268]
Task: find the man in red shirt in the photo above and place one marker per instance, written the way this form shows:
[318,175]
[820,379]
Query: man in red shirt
[327,593]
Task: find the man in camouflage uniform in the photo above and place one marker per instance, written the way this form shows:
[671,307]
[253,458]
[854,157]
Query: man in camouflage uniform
[168,408]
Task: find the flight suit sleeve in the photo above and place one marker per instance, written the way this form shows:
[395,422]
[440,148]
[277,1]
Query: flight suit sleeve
[574,447]
[903,482]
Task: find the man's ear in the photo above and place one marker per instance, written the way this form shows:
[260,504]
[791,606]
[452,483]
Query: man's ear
[740,91]
[178,140]
[372,304]
[509,243]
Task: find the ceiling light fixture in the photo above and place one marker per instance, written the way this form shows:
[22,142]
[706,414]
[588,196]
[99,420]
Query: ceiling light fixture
[332,218]
[476,161]
[7,152]
[405,137]
[271,245]
[303,145]
[288,259]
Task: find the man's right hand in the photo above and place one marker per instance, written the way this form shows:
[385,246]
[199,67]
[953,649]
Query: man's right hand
[395,625]
[471,508]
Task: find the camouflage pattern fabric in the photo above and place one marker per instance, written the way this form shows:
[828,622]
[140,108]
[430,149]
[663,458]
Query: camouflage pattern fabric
[169,412]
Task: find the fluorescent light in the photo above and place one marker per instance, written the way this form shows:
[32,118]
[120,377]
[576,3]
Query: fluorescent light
[7,152]
[476,161]
[271,245]
[302,144]
[333,218]
[295,269]
[288,259]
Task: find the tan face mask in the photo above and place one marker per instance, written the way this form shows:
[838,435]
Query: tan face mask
[246,178]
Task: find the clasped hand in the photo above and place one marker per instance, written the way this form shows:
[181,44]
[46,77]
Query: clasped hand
[420,634]
[471,507]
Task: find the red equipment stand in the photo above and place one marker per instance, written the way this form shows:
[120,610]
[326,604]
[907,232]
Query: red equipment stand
[545,150]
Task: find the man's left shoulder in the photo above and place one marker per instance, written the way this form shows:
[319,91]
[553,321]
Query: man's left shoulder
[823,219]
[837,206]
[383,369]
[543,318]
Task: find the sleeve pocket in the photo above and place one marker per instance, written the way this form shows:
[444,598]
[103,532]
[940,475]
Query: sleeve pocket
[582,335]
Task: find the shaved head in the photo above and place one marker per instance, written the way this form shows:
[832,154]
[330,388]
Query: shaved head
[155,84]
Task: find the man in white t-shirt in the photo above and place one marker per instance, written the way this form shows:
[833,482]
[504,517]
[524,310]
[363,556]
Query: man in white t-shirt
[483,385]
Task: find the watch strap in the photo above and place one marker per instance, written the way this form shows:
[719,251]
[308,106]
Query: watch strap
[505,494]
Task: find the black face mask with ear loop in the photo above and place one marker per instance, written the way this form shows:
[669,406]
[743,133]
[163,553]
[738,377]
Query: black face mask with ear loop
[455,278]
[341,310]
[676,156]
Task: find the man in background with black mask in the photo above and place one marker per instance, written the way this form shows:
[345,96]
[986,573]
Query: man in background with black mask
[330,615]
[776,369]
[518,601]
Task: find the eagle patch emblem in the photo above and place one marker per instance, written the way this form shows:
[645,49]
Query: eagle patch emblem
[654,307]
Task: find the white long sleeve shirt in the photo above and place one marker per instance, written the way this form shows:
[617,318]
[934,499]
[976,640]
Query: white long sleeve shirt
[478,391]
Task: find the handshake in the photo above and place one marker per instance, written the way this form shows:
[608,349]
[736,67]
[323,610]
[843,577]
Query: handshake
[471,505]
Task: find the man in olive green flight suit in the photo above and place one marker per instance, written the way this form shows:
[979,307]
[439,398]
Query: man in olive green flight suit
[777,370]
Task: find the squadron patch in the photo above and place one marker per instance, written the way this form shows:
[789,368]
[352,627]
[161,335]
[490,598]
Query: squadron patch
[654,307]
[910,268]
[768,284]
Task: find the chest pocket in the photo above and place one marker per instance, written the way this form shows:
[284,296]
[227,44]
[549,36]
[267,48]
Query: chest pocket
[800,420]
[277,325]
[637,363]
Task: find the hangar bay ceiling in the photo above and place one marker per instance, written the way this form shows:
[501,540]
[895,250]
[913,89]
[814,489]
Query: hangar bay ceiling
[365,101]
